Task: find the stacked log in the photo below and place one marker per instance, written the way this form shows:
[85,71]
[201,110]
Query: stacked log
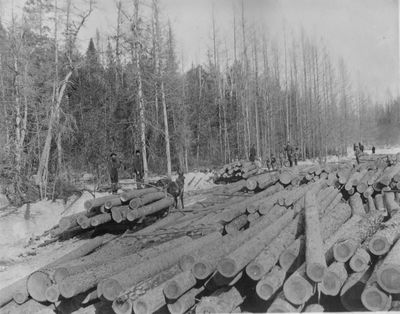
[235,172]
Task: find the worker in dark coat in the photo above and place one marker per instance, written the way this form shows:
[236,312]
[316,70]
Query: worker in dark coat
[361,147]
[373,149]
[358,153]
[113,165]
[252,156]
[138,168]
[273,162]
[296,155]
[289,152]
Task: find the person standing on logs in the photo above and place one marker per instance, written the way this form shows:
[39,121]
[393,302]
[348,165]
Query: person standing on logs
[289,152]
[281,159]
[252,156]
[373,149]
[358,153]
[138,168]
[113,166]
[361,147]
[273,162]
[296,156]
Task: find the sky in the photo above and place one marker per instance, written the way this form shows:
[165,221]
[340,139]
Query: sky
[364,32]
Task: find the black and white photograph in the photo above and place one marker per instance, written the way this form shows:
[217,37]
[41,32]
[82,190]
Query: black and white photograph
[199,156]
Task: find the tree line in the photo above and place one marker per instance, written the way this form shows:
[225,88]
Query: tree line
[65,110]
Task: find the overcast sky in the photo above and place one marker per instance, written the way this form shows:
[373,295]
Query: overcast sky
[363,32]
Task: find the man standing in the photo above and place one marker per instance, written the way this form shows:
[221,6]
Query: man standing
[138,168]
[296,156]
[281,159]
[357,153]
[273,162]
[373,149]
[253,153]
[289,151]
[113,165]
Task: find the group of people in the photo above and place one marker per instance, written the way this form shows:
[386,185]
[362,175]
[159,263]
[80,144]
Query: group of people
[292,154]
[114,164]
[359,149]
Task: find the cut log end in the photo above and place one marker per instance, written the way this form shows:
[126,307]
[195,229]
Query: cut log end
[359,263]
[52,293]
[286,259]
[315,271]
[264,290]
[374,299]
[227,268]
[37,284]
[379,245]
[201,270]
[206,309]
[67,289]
[60,274]
[122,306]
[186,262]
[312,308]
[21,296]
[389,278]
[343,251]
[297,290]
[330,284]
[141,307]
[175,308]
[255,271]
[172,290]
[111,289]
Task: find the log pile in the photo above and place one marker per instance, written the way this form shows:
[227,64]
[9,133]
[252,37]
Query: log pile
[305,236]
[236,171]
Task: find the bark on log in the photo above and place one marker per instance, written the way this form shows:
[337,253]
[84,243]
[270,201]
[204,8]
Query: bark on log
[128,195]
[349,242]
[94,203]
[114,285]
[81,282]
[112,203]
[383,239]
[295,251]
[231,265]
[371,204]
[389,273]
[333,279]
[314,308]
[236,224]
[269,256]
[100,219]
[281,305]
[179,285]
[185,302]
[372,297]
[390,203]
[150,209]
[146,199]
[270,283]
[356,204]
[315,259]
[120,213]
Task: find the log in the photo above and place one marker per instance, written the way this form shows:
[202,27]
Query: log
[184,303]
[368,192]
[348,244]
[112,203]
[29,307]
[281,305]
[179,285]
[383,239]
[334,218]
[128,195]
[52,293]
[224,301]
[100,219]
[315,259]
[115,284]
[334,203]
[69,222]
[295,251]
[269,256]
[298,288]
[375,176]
[390,204]
[371,204]
[232,264]
[360,260]
[350,295]
[149,303]
[362,185]
[236,224]
[150,209]
[287,175]
[344,175]
[120,213]
[81,282]
[270,283]
[334,278]
[146,199]
[372,297]
[389,273]
[356,204]
[253,217]
[314,308]
[249,173]
[20,289]
[94,203]
[379,204]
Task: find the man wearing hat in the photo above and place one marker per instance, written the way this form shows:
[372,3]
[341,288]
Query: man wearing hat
[113,166]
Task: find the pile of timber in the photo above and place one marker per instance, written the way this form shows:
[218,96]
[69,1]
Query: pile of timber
[328,241]
[235,171]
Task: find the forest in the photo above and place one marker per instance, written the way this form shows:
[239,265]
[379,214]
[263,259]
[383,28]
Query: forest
[64,110]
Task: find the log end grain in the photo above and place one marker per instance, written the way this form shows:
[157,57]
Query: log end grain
[264,290]
[359,261]
[111,289]
[344,250]
[37,284]
[186,262]
[21,296]
[255,271]
[123,306]
[60,274]
[330,284]
[374,299]
[52,293]
[201,270]
[88,204]
[315,271]
[67,289]
[140,307]
[378,245]
[389,278]
[297,289]
[172,290]
[227,268]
